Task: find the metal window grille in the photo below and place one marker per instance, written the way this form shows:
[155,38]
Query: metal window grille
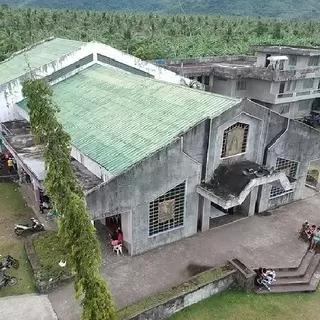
[304,105]
[225,137]
[241,84]
[314,61]
[308,83]
[277,191]
[290,168]
[160,222]
[292,60]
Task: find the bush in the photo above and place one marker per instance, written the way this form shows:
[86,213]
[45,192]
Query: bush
[49,252]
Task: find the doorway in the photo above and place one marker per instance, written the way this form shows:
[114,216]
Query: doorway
[220,216]
[281,87]
[313,174]
[267,61]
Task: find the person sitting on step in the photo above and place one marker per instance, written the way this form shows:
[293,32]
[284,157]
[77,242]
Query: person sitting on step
[311,232]
[315,240]
[304,230]
[271,275]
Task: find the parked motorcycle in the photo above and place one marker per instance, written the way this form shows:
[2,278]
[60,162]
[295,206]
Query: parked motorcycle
[9,262]
[8,281]
[36,226]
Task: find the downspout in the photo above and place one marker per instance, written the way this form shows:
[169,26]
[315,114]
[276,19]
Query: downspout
[207,130]
[206,144]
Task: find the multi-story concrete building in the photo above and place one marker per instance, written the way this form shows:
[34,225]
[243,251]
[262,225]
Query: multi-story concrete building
[285,79]
[163,159]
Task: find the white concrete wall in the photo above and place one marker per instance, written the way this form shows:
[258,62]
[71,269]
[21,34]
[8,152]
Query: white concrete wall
[223,87]
[91,165]
[10,92]
[260,90]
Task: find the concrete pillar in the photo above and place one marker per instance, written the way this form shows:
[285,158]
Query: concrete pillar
[318,184]
[206,215]
[249,203]
[211,80]
[264,199]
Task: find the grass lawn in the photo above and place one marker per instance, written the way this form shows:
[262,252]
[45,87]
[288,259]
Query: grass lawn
[236,305]
[13,209]
[50,251]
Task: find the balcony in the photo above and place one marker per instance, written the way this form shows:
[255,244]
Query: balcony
[298,95]
[236,71]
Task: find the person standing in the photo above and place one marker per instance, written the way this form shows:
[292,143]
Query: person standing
[10,165]
[315,240]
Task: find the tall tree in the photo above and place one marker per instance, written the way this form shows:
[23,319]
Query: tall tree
[75,227]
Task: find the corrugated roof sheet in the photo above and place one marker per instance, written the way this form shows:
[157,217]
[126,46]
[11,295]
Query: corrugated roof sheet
[35,57]
[118,119]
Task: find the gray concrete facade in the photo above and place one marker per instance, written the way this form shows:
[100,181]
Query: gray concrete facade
[294,81]
[193,158]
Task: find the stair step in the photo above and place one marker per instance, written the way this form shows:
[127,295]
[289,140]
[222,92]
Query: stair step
[310,287]
[297,272]
[305,279]
[289,288]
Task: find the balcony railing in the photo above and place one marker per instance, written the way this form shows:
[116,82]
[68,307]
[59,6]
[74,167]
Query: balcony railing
[245,71]
[298,93]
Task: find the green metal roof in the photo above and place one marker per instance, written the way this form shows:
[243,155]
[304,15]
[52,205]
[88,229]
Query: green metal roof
[118,119]
[35,57]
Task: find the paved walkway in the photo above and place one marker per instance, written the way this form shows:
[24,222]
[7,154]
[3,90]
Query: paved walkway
[260,240]
[26,307]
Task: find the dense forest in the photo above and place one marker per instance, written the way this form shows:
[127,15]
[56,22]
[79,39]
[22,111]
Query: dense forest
[152,36]
[273,8]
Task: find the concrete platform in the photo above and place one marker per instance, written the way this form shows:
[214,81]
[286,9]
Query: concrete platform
[259,240]
[26,307]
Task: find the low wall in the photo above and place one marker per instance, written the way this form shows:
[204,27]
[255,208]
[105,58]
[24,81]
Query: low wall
[43,285]
[177,303]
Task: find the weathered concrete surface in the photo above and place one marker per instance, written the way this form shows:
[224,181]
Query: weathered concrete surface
[259,240]
[26,307]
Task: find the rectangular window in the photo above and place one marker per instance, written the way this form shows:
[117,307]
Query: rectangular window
[167,211]
[292,60]
[199,79]
[290,168]
[207,80]
[294,85]
[314,61]
[281,87]
[235,140]
[276,191]
[304,105]
[241,85]
[289,85]
[283,108]
[307,83]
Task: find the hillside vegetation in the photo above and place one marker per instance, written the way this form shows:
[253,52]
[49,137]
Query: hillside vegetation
[151,36]
[274,8]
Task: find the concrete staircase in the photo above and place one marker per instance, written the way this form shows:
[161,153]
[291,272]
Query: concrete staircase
[304,278]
